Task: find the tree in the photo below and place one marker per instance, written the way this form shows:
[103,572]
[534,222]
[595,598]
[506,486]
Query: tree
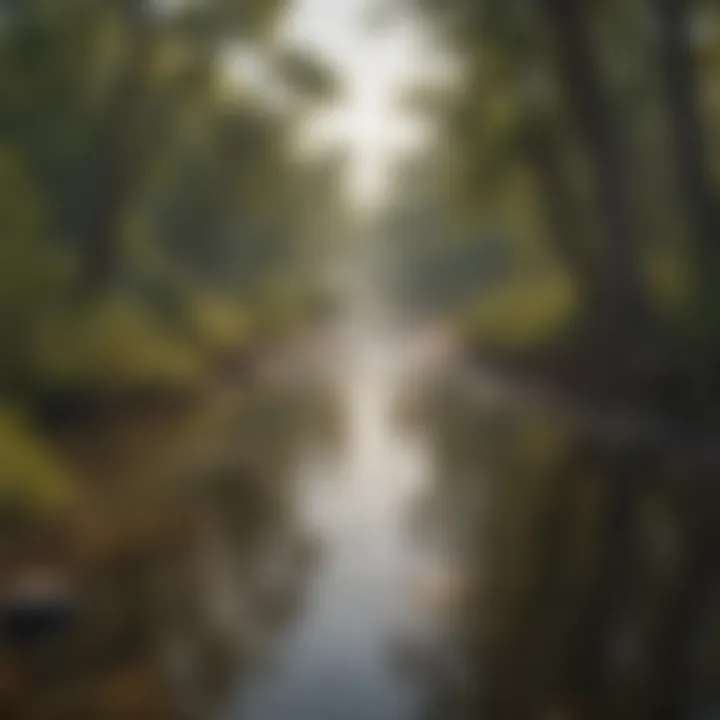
[692,180]
[623,307]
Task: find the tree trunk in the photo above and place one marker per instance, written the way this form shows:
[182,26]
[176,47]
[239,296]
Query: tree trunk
[670,682]
[622,310]
[691,174]
[593,676]
[116,176]
[566,235]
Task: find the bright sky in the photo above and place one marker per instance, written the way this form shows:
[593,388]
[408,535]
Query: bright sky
[375,65]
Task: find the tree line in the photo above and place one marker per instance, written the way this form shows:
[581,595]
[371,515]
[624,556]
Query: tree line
[155,215]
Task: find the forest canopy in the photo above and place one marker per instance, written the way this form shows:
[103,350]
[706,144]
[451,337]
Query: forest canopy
[155,215]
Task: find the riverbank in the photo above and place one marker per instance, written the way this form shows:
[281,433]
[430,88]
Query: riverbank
[655,402]
[149,473]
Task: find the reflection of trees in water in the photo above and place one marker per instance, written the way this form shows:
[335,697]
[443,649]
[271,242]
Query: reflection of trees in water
[196,584]
[593,589]
[233,587]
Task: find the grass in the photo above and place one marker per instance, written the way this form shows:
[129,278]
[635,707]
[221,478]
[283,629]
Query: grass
[33,478]
[521,314]
[117,345]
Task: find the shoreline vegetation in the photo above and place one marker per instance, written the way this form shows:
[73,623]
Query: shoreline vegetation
[153,254]
[174,218]
[115,494]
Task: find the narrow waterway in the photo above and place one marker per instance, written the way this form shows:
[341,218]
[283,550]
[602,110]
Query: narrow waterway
[359,533]
[362,609]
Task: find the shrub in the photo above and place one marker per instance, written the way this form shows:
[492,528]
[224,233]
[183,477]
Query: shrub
[33,479]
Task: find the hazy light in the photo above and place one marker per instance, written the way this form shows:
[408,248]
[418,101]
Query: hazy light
[367,120]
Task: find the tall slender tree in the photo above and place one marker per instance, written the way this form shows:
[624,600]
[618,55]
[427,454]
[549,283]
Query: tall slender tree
[692,180]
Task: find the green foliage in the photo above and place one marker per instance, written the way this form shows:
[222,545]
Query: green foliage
[32,272]
[142,201]
[32,476]
[522,314]
[146,203]
[218,324]
[308,77]
[587,132]
[114,345]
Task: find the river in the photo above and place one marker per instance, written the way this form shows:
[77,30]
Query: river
[354,534]
[362,605]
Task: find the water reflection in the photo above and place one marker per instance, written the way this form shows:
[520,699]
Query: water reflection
[191,563]
[589,585]
[368,546]
[338,660]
